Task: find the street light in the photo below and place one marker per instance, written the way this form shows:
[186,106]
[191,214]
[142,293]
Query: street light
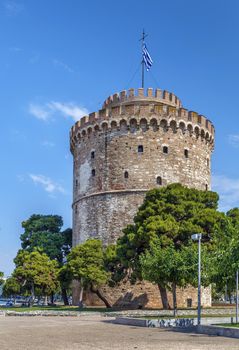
[237,296]
[198,237]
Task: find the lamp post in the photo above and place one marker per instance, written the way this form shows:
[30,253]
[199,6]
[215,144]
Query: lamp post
[198,237]
[237,296]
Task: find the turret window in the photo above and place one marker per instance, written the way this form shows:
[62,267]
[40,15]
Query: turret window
[93,172]
[76,182]
[186,153]
[140,149]
[206,187]
[165,149]
[92,155]
[159,180]
[126,175]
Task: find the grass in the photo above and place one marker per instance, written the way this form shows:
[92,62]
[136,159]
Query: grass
[53,308]
[179,316]
[230,325]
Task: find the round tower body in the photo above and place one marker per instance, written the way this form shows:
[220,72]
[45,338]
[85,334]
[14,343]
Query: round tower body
[136,142]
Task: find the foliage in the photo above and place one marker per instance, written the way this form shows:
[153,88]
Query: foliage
[36,272]
[43,231]
[1,278]
[167,265]
[113,265]
[226,254]
[86,263]
[11,287]
[169,215]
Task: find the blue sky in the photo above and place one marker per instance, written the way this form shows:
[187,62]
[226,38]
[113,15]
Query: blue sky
[61,59]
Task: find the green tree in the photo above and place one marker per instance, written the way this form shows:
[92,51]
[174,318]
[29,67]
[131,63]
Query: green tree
[169,215]
[226,255]
[86,265]
[11,288]
[36,273]
[44,231]
[1,278]
[170,267]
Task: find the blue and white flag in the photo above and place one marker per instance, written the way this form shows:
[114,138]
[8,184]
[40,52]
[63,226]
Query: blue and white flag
[147,58]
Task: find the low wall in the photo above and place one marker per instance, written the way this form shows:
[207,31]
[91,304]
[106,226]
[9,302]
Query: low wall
[161,323]
[218,330]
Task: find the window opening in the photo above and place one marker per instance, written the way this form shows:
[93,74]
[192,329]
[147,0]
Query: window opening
[140,149]
[165,149]
[159,180]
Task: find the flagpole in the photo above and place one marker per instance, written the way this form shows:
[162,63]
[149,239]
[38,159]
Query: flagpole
[143,37]
[142,61]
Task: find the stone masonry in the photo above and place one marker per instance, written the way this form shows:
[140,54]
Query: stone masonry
[136,142]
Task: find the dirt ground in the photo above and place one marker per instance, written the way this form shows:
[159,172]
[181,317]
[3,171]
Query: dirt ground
[98,333]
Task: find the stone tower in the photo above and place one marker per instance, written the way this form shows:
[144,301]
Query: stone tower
[136,142]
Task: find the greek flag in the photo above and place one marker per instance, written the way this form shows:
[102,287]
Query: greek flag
[147,58]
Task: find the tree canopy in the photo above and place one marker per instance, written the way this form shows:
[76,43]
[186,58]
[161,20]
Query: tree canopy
[167,219]
[36,273]
[86,264]
[44,231]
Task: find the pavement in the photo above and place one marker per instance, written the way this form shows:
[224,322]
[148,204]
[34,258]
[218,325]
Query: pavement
[98,333]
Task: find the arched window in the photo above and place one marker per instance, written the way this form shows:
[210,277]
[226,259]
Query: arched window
[165,149]
[206,187]
[126,175]
[159,180]
[92,155]
[93,172]
[140,149]
[186,153]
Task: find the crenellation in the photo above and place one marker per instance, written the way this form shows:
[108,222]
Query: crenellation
[150,92]
[158,93]
[130,93]
[166,95]
[140,92]
[123,95]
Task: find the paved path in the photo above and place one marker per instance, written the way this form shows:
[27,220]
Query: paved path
[95,333]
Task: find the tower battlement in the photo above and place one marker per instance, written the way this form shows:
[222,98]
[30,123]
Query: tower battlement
[148,95]
[150,110]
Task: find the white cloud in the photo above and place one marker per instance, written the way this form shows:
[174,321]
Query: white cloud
[68,109]
[13,8]
[40,112]
[15,49]
[234,140]
[48,184]
[63,65]
[228,190]
[46,111]
[48,143]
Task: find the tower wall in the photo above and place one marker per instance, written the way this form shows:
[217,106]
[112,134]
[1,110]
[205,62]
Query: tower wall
[119,155]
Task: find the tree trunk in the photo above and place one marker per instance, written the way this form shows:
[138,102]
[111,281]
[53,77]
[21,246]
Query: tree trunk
[101,296]
[81,293]
[32,298]
[52,298]
[164,297]
[64,296]
[174,291]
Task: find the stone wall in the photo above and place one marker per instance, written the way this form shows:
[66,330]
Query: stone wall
[146,295]
[135,143]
